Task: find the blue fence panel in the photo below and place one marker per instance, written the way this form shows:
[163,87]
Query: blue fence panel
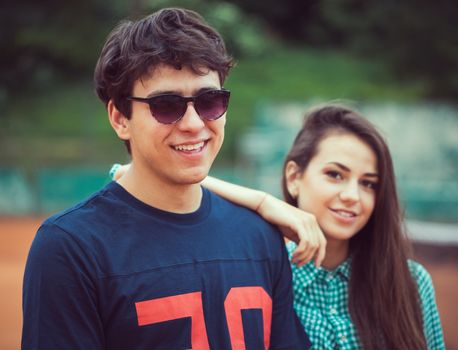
[16,194]
[61,188]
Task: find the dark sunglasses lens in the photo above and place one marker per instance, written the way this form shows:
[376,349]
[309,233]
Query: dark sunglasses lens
[167,109]
[212,104]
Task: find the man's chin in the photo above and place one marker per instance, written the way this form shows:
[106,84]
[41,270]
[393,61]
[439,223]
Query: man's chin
[195,177]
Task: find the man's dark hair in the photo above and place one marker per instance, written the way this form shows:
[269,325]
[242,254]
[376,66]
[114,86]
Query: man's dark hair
[171,36]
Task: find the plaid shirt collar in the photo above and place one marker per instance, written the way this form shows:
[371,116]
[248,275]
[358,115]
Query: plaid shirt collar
[311,272]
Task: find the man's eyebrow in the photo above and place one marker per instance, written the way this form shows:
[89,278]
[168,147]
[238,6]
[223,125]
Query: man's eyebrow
[207,88]
[171,92]
[345,168]
[161,92]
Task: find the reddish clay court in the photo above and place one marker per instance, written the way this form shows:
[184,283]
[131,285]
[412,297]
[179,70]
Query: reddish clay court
[16,234]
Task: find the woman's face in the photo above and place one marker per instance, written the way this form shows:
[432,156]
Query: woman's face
[338,186]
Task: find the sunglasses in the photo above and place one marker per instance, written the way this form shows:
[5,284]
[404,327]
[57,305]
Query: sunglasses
[170,108]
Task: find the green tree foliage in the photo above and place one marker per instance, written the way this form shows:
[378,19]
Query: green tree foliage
[45,41]
[244,35]
[49,49]
[292,20]
[418,38]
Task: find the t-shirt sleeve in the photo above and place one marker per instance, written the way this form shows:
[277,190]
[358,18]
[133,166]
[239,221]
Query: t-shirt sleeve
[287,331]
[431,320]
[59,294]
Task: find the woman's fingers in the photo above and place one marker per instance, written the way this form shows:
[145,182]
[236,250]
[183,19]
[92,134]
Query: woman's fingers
[320,255]
[311,242]
[301,257]
[306,247]
[320,240]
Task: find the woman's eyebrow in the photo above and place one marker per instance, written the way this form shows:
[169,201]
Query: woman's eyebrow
[340,165]
[347,169]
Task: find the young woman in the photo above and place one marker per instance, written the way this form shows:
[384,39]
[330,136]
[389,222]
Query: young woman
[367,293]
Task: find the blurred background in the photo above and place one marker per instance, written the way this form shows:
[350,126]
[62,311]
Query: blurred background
[396,62]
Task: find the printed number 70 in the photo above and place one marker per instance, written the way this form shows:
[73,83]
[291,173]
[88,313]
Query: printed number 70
[190,305]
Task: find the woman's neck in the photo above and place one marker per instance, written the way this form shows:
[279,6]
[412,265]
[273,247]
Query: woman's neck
[336,253]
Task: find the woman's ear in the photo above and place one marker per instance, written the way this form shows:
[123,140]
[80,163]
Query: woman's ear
[292,175]
[118,121]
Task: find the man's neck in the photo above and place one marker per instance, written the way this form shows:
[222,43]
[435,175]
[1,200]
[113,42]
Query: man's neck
[150,189]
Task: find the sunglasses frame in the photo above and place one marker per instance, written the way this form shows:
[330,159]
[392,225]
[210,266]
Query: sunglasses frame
[185,100]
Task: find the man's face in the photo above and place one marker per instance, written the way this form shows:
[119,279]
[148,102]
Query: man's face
[180,153]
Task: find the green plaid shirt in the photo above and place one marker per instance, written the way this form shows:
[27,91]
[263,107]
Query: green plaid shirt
[321,302]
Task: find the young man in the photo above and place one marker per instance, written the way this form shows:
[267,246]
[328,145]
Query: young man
[153,261]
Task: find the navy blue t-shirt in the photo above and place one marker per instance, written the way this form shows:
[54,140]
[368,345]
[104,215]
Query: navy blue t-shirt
[115,273]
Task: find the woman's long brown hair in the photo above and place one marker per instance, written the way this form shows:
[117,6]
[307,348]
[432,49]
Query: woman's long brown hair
[383,296]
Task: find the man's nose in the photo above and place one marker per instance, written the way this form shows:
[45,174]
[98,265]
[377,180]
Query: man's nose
[191,122]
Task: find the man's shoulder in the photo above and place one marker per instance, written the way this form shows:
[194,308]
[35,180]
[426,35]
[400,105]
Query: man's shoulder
[244,224]
[87,213]
[236,213]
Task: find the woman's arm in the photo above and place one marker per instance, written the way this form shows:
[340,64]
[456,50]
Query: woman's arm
[295,224]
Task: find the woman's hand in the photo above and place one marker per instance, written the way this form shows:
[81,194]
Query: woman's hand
[298,226]
[119,171]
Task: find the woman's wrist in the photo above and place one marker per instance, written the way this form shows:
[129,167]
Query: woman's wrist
[115,167]
[263,197]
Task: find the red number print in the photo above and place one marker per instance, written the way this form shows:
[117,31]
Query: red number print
[190,305]
[171,308]
[241,298]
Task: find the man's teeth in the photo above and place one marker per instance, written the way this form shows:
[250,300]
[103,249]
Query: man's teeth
[345,214]
[189,147]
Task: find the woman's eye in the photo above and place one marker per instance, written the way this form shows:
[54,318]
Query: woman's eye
[334,174]
[369,184]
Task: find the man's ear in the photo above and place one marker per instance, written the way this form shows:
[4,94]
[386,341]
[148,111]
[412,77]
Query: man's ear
[118,121]
[293,177]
